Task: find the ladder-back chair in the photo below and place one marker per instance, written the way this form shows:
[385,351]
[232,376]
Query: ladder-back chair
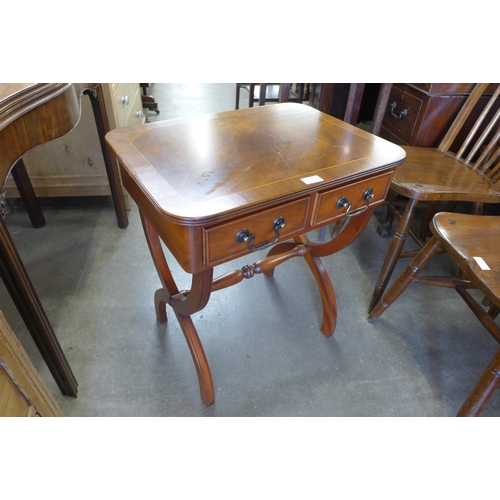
[468,172]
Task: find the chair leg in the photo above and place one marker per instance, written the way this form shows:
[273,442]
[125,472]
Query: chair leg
[284,92]
[262,94]
[487,384]
[237,106]
[251,92]
[394,252]
[407,277]
[493,311]
[430,212]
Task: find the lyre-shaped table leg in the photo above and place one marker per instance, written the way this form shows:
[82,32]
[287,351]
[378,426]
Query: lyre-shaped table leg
[326,291]
[322,280]
[183,304]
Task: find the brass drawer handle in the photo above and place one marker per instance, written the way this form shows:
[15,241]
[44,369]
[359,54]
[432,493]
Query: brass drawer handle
[402,114]
[245,236]
[345,203]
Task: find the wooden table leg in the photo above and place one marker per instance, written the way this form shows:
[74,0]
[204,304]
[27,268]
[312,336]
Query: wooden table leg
[320,274]
[102,124]
[183,304]
[21,290]
[27,193]
[350,232]
[325,287]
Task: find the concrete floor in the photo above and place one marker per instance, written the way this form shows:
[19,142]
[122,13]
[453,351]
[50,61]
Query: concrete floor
[261,337]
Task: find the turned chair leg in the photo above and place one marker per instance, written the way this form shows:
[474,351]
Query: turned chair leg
[487,384]
[394,252]
[407,277]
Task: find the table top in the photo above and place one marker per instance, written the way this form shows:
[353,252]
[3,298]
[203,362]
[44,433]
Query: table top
[200,168]
[17,99]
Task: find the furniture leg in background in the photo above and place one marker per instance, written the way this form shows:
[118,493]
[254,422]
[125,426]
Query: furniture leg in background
[23,182]
[20,288]
[102,124]
[148,101]
[30,115]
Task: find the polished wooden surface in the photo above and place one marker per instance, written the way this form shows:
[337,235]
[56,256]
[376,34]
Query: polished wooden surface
[31,114]
[200,182]
[419,114]
[467,239]
[467,173]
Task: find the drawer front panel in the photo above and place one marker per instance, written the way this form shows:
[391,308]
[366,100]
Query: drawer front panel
[327,209]
[220,241]
[127,103]
[402,111]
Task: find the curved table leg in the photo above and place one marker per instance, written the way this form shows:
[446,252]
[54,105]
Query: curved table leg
[316,250]
[285,246]
[320,274]
[325,288]
[205,381]
[184,304]
[161,300]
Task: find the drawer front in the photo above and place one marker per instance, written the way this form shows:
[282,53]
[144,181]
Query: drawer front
[402,111]
[220,242]
[127,104]
[328,209]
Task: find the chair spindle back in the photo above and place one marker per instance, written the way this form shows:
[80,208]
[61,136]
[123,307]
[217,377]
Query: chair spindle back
[481,148]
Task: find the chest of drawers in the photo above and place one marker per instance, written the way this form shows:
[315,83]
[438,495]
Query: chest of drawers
[419,114]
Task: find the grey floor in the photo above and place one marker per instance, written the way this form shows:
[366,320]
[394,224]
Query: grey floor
[262,338]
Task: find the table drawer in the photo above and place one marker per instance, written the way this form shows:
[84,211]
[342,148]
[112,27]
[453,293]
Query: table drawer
[402,111]
[330,208]
[220,242]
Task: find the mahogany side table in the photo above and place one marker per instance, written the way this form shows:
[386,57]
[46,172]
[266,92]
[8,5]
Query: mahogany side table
[217,187]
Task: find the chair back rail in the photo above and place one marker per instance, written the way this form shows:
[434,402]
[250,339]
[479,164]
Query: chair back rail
[481,148]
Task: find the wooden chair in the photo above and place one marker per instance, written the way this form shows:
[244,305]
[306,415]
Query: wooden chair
[474,243]
[459,170]
[269,92]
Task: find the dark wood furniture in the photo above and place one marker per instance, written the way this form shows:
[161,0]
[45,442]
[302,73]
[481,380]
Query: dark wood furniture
[30,115]
[417,114]
[217,187]
[356,100]
[148,101]
[473,243]
[270,92]
[470,174]
[420,114]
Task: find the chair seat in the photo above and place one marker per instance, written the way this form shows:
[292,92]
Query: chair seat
[428,174]
[466,236]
